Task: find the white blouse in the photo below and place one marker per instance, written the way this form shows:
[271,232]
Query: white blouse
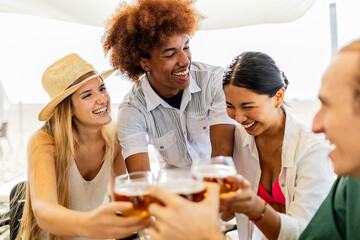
[305,178]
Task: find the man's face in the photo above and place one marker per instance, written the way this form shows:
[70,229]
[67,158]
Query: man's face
[338,116]
[169,65]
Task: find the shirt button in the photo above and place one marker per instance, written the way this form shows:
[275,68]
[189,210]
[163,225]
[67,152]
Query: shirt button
[204,128]
[283,185]
[161,147]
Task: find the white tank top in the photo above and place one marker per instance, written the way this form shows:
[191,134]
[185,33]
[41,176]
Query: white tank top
[86,195]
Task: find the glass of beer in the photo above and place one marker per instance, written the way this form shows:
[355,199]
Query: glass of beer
[135,188]
[216,169]
[181,182]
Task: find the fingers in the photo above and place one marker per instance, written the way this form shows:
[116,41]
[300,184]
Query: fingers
[239,201]
[240,181]
[128,230]
[157,210]
[213,191]
[227,216]
[154,234]
[134,220]
[118,206]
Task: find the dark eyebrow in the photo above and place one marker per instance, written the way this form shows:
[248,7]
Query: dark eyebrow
[246,103]
[173,49]
[243,104]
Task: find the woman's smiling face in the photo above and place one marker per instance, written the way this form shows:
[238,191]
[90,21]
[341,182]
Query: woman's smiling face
[255,112]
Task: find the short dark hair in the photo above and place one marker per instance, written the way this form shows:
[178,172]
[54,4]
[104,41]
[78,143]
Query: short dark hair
[257,72]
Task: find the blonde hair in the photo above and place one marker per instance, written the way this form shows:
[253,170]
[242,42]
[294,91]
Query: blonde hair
[61,133]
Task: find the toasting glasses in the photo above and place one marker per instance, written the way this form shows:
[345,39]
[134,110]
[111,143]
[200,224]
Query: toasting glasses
[216,169]
[135,188]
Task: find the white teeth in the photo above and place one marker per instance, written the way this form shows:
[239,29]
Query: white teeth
[248,125]
[101,110]
[182,73]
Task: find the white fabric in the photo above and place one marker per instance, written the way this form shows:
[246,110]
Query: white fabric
[219,14]
[86,195]
[4,101]
[179,135]
[305,178]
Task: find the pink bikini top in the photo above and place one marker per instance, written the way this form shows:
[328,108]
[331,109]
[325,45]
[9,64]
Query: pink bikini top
[277,195]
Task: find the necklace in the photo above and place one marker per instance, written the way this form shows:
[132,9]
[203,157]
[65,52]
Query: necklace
[267,153]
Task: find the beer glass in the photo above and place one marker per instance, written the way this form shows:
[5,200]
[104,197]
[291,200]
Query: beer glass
[135,188]
[181,182]
[216,169]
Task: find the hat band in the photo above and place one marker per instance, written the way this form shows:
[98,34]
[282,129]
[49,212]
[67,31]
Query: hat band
[82,78]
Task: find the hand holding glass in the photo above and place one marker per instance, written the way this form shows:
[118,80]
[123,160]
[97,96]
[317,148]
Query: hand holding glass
[135,188]
[216,169]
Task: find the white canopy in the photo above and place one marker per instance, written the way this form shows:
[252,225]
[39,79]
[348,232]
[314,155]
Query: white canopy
[220,14]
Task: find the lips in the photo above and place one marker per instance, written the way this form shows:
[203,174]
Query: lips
[248,125]
[183,75]
[101,110]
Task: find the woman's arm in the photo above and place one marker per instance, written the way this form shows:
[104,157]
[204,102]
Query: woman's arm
[102,222]
[118,167]
[247,202]
[313,181]
[222,139]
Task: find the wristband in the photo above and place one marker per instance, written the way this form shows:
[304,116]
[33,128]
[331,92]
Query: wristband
[261,215]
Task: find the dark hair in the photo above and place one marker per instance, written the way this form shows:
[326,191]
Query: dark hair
[257,72]
[135,29]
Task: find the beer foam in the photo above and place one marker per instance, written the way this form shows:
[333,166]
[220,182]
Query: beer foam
[213,171]
[133,189]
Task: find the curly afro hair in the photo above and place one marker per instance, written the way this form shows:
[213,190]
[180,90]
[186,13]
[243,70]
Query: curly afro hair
[135,29]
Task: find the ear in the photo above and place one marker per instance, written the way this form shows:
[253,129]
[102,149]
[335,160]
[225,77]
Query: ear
[279,97]
[144,64]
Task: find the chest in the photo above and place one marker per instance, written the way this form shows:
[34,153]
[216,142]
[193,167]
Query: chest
[270,170]
[89,161]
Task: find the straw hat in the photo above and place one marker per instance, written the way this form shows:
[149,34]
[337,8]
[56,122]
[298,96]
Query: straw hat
[63,78]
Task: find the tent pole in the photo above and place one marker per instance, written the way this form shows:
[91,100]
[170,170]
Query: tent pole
[333,29]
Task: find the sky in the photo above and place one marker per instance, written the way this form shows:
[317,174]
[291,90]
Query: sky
[301,48]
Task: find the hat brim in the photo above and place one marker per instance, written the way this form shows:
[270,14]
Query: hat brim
[48,110]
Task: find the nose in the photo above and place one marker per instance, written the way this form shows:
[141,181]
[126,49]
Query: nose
[318,122]
[101,98]
[184,58]
[237,114]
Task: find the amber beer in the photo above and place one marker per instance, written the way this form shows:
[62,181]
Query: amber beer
[135,191]
[218,174]
[140,203]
